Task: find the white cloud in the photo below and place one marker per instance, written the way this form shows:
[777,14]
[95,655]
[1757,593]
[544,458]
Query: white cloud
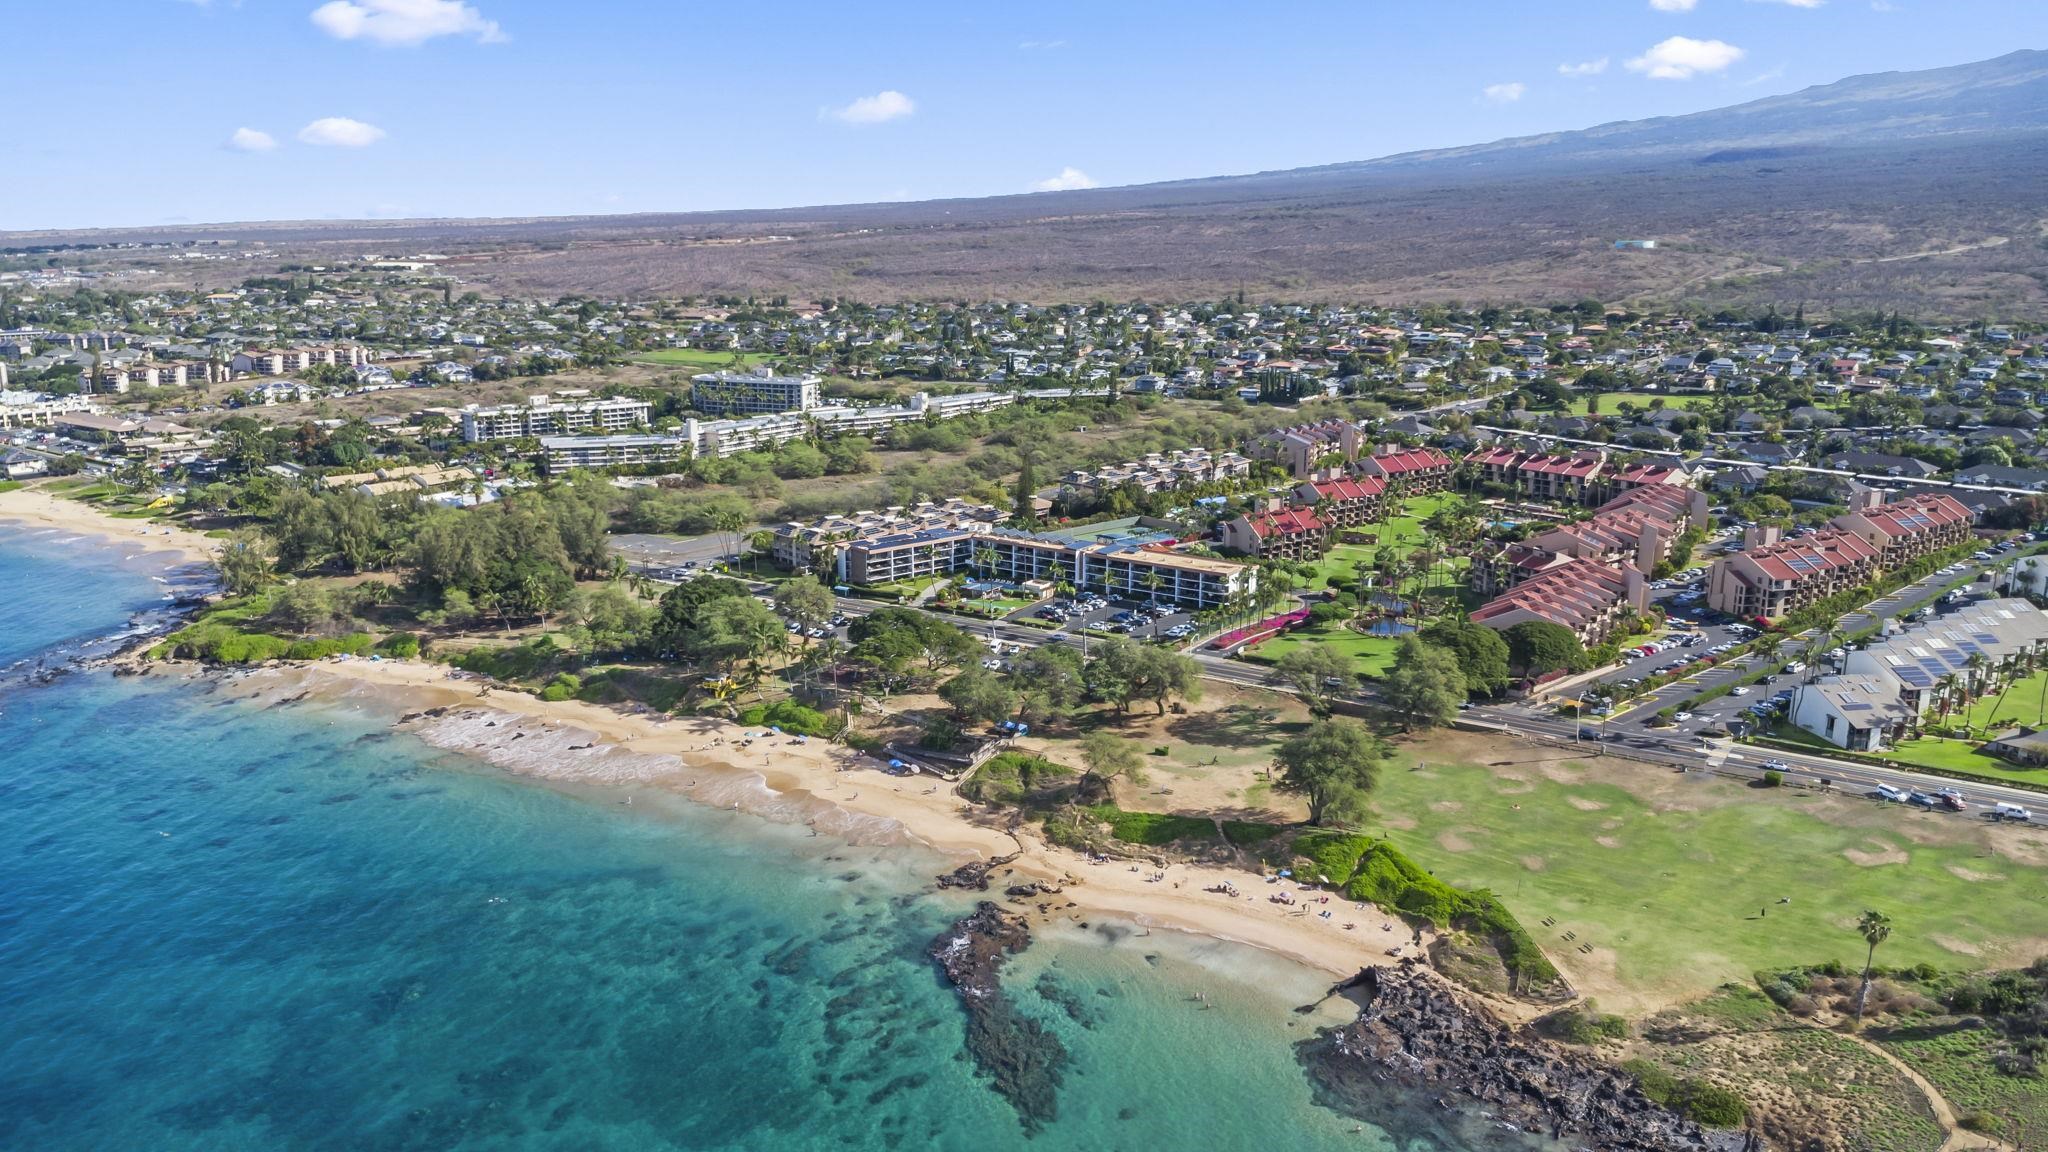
[880,108]
[1674,5]
[1042,45]
[1682,58]
[1504,93]
[340,132]
[1070,179]
[403,23]
[1589,68]
[250,140]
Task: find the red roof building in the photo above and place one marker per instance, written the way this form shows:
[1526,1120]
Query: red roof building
[1413,470]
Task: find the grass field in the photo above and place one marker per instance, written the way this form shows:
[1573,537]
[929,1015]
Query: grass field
[1610,402]
[698,358]
[1373,654]
[1675,880]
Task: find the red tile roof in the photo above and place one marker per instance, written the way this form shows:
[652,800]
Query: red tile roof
[1341,490]
[1410,460]
[1289,523]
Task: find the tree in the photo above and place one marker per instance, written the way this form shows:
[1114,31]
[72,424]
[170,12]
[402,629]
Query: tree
[806,601]
[1424,686]
[1876,928]
[243,563]
[1482,654]
[1333,764]
[731,629]
[978,694]
[1538,646]
[1109,756]
[1049,682]
[1023,508]
[609,618]
[1124,670]
[1319,672]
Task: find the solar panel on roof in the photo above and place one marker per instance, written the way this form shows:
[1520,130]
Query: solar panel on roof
[1855,707]
[1916,677]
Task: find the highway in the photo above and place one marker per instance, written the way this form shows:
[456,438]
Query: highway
[1691,752]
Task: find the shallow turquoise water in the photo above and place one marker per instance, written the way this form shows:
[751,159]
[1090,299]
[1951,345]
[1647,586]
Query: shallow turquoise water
[230,928]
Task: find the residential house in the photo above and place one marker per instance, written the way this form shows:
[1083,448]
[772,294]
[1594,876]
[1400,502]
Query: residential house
[1288,534]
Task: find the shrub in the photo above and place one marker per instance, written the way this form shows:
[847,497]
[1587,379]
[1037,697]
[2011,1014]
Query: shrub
[792,718]
[400,645]
[1242,832]
[1153,828]
[1011,777]
[563,687]
[1708,1104]
[1774,779]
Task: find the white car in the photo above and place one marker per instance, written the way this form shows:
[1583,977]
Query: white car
[1743,691]
[1682,717]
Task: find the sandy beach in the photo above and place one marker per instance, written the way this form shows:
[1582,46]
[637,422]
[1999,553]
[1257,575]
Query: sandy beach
[35,508]
[836,791]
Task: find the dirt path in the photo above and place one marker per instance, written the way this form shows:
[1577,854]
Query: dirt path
[1958,250]
[1955,1137]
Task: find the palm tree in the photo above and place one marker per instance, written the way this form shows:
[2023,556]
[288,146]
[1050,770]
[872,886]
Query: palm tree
[985,559]
[1947,688]
[1153,582]
[1876,928]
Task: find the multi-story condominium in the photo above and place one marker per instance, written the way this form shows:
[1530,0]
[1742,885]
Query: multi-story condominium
[280,361]
[119,378]
[1413,471]
[1586,596]
[1886,686]
[1289,534]
[1911,526]
[1637,528]
[542,416]
[1309,448]
[718,439]
[1131,569]
[1159,472]
[1575,477]
[732,393]
[815,546]
[1772,577]
[37,410]
[1643,473]
[566,453]
[1346,502]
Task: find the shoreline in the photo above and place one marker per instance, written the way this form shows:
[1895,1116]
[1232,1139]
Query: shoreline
[36,508]
[836,792]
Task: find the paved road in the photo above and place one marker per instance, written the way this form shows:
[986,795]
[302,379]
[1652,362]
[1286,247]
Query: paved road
[1694,753]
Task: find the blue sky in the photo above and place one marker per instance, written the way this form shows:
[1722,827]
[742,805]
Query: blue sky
[139,112]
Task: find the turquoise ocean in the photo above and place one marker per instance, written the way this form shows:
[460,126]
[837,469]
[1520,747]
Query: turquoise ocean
[229,927]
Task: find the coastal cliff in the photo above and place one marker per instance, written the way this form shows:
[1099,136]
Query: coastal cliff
[1415,1033]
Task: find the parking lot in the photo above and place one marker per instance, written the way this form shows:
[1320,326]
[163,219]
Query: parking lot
[1717,632]
[1137,619]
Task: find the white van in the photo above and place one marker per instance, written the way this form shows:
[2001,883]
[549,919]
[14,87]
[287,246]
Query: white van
[2011,812]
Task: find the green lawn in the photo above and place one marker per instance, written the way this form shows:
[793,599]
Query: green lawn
[1373,654]
[1962,756]
[2027,704]
[1675,879]
[1405,532]
[1610,401]
[698,358]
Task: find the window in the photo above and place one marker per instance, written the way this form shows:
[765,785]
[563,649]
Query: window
[1830,728]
